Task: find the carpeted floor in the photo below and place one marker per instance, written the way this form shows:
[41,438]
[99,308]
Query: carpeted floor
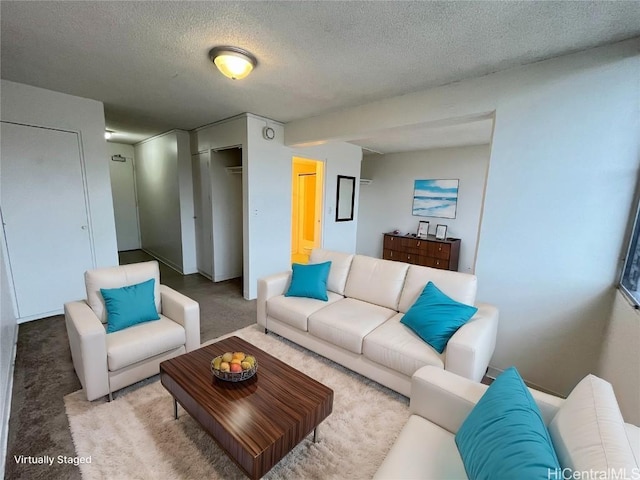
[137,436]
[44,373]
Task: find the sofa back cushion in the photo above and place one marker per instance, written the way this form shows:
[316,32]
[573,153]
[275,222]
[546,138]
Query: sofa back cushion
[340,264]
[116,277]
[376,281]
[588,431]
[459,286]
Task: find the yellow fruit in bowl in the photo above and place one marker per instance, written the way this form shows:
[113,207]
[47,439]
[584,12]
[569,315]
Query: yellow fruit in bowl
[250,359]
[235,361]
[246,365]
[225,367]
[239,355]
[227,357]
[216,363]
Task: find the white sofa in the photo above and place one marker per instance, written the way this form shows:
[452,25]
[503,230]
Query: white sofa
[106,362]
[359,326]
[587,430]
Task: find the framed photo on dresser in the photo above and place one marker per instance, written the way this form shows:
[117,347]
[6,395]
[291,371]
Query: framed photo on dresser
[423,229]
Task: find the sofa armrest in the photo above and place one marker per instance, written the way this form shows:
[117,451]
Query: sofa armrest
[88,342]
[442,397]
[470,349]
[183,310]
[269,287]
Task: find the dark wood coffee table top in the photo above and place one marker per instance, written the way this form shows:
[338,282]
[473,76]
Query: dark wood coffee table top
[258,421]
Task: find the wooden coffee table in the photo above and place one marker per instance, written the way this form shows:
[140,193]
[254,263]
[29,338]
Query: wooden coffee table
[256,422]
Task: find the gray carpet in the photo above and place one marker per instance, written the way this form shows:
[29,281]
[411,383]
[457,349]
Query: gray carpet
[44,373]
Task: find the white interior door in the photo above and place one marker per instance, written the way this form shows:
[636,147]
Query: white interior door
[44,211]
[203,212]
[125,205]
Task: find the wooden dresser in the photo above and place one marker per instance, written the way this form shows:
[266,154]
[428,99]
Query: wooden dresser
[428,252]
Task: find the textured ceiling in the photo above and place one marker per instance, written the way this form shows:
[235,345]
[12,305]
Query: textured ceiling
[147,61]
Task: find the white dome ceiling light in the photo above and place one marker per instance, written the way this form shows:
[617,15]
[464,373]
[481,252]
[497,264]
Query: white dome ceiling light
[233,62]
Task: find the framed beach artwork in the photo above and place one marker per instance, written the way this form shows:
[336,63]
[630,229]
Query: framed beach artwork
[435,198]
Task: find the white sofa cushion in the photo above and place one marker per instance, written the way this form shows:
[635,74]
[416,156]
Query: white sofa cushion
[588,432]
[143,341]
[422,451]
[461,287]
[395,346]
[340,264]
[116,277]
[295,311]
[376,281]
[345,323]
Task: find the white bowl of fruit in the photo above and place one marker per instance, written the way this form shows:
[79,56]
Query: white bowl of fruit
[234,366]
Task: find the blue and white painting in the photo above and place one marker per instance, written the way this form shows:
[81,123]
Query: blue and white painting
[435,198]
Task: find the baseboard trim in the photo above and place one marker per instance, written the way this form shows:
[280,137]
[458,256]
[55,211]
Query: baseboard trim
[493,372]
[4,428]
[40,316]
[167,262]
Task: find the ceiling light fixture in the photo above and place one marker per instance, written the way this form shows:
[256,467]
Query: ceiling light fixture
[233,62]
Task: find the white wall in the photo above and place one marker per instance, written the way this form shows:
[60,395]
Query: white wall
[563,167]
[386,204]
[267,203]
[266,181]
[43,108]
[8,336]
[123,190]
[165,199]
[620,360]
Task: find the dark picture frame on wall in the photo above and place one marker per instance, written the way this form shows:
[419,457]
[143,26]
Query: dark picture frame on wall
[345,198]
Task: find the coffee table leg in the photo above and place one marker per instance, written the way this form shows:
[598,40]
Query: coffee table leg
[315,435]
[175,409]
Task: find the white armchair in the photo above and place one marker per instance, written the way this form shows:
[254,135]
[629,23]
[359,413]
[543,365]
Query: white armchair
[106,362]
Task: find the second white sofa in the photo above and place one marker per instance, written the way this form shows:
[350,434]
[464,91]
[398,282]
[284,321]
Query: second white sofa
[359,325]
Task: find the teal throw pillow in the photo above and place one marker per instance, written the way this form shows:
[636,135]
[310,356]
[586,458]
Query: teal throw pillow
[504,436]
[309,281]
[130,305]
[435,317]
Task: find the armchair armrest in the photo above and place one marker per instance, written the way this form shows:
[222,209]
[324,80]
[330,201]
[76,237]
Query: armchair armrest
[442,397]
[446,399]
[88,342]
[470,349]
[183,310]
[269,287]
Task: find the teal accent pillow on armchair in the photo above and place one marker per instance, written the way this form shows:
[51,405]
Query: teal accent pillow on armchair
[504,436]
[435,317]
[128,306]
[309,281]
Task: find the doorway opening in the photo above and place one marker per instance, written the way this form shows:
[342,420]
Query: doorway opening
[218,213]
[306,213]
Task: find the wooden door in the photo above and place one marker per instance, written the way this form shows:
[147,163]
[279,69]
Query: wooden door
[45,216]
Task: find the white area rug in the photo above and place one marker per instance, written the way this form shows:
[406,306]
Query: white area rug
[136,437]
